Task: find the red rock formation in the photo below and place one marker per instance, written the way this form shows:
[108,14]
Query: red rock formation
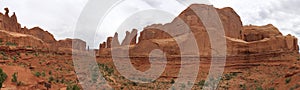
[102,45]
[40,33]
[9,23]
[130,38]
[255,33]
[109,40]
[20,40]
[115,40]
[76,44]
[241,40]
[11,31]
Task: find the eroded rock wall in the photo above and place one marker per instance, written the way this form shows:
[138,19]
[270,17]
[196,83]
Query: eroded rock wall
[241,40]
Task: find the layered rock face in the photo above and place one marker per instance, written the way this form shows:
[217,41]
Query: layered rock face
[11,32]
[40,33]
[21,40]
[262,40]
[9,23]
[241,40]
[72,43]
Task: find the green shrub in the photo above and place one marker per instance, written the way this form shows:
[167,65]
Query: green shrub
[73,87]
[2,53]
[50,72]
[5,58]
[1,40]
[10,44]
[19,83]
[288,80]
[243,87]
[50,79]
[229,76]
[272,88]
[14,77]
[15,58]
[172,81]
[295,87]
[43,74]
[201,83]
[106,68]
[36,54]
[37,74]
[259,88]
[62,80]
[3,77]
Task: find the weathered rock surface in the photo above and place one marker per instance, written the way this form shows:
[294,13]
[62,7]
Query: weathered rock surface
[12,33]
[22,40]
[9,23]
[241,40]
[130,38]
[40,33]
[256,33]
[72,43]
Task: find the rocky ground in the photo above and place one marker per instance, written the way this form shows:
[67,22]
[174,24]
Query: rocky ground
[258,57]
[267,72]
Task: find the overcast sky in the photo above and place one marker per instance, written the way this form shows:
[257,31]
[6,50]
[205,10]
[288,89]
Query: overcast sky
[59,17]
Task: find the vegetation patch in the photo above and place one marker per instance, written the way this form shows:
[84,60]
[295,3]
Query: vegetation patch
[10,44]
[3,77]
[288,80]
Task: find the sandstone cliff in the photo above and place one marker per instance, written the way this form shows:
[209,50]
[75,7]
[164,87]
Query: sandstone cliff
[12,33]
[241,40]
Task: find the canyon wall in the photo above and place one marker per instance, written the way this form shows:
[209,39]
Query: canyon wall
[241,40]
[12,34]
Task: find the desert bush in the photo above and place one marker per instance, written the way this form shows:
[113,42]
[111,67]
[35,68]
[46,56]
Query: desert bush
[50,72]
[230,76]
[15,58]
[106,68]
[62,80]
[43,74]
[14,77]
[10,44]
[37,74]
[2,53]
[3,77]
[19,83]
[272,88]
[36,54]
[201,83]
[5,58]
[47,85]
[133,83]
[73,87]
[288,80]
[50,79]
[172,81]
[295,87]
[259,88]
[1,40]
